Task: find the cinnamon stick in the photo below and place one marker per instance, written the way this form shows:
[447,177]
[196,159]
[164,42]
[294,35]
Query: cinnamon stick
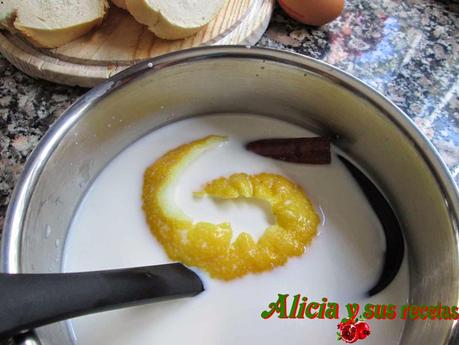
[315,150]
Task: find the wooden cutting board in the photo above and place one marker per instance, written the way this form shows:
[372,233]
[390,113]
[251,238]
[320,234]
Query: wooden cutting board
[121,42]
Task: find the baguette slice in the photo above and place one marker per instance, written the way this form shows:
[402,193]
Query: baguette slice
[52,23]
[120,3]
[176,19]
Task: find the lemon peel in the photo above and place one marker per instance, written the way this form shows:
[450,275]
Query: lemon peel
[210,246]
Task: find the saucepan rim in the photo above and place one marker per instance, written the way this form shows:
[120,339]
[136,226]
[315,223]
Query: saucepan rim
[12,232]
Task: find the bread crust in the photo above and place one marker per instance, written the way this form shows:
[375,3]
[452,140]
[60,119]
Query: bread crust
[120,3]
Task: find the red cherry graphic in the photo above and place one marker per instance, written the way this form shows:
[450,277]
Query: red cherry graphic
[363,329]
[349,333]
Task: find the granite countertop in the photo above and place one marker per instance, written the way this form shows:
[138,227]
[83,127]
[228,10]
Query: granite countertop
[408,50]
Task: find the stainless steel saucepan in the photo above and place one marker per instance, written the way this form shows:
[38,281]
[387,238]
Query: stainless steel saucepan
[304,91]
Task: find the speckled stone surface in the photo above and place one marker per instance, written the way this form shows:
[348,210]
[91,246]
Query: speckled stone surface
[408,50]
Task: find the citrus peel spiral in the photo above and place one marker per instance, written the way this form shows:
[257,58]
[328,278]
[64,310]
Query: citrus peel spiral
[211,246]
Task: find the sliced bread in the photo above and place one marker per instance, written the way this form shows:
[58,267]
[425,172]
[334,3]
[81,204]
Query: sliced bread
[174,19]
[120,3]
[52,23]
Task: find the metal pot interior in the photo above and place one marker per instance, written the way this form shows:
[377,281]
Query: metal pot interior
[231,80]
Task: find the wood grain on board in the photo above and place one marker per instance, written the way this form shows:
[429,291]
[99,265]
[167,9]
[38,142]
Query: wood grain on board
[121,42]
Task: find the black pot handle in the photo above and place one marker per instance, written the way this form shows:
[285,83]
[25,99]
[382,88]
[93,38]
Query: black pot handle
[32,300]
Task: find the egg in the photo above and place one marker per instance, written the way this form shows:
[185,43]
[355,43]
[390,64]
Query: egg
[313,12]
